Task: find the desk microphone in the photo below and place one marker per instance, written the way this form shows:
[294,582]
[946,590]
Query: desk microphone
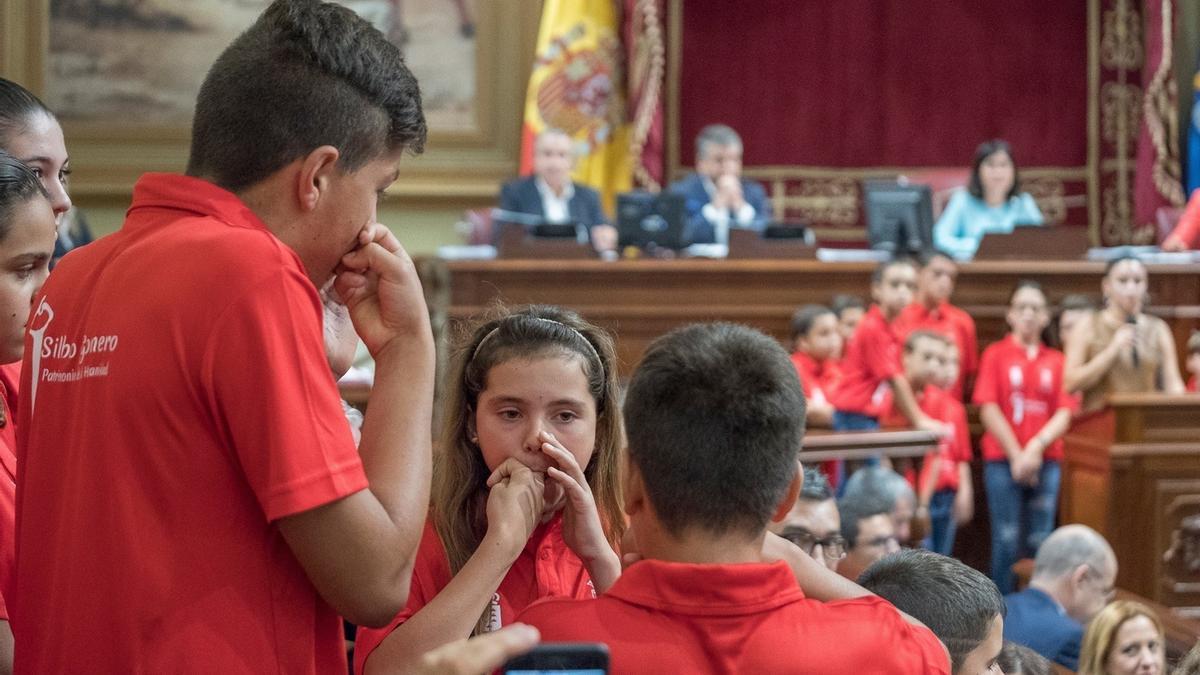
[1133,355]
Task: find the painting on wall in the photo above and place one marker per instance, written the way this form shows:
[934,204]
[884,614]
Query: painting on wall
[140,62]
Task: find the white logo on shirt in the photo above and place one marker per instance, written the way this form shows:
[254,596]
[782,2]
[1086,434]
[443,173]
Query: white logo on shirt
[58,348]
[493,620]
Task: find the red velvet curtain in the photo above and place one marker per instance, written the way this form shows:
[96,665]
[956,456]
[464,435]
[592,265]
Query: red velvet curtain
[870,83]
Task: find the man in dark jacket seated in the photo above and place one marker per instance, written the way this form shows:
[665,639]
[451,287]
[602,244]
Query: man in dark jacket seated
[551,196]
[717,197]
[1073,577]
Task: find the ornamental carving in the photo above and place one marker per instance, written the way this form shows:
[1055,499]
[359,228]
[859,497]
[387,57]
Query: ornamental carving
[1048,193]
[823,200]
[1184,553]
[1120,112]
[1121,38]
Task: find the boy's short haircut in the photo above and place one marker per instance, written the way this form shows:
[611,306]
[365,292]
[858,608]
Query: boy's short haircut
[714,418]
[843,301]
[306,74]
[954,601]
[1017,658]
[816,486]
[910,343]
[1193,343]
[805,317]
[930,254]
[881,268]
[854,508]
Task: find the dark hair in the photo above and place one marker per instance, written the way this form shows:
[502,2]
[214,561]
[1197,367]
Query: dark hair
[18,184]
[1017,659]
[1070,303]
[930,254]
[805,317]
[985,150]
[954,601]
[1023,284]
[17,105]
[856,508]
[816,486]
[1076,301]
[1113,262]
[910,342]
[306,74]
[842,302]
[1193,343]
[714,418]
[883,267]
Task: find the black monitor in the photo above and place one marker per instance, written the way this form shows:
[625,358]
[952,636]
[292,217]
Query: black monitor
[899,216]
[648,220]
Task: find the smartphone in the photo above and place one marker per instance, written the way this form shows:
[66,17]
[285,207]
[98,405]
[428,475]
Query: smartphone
[561,658]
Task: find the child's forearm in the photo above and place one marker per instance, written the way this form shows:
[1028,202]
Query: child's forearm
[604,570]
[451,615]
[1054,428]
[906,401]
[997,425]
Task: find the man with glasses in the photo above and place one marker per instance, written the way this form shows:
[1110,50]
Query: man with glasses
[868,529]
[813,524]
[1073,577]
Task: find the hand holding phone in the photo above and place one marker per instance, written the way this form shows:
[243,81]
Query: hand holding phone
[561,658]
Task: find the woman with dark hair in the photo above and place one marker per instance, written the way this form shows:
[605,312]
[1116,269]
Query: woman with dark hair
[992,203]
[1121,348]
[30,132]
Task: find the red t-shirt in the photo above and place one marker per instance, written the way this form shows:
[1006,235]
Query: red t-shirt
[662,617]
[951,322]
[1028,391]
[1193,384]
[943,407]
[178,403]
[816,377]
[9,375]
[547,568]
[872,358]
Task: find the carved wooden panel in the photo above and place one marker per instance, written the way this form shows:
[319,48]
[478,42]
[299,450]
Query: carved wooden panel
[1176,542]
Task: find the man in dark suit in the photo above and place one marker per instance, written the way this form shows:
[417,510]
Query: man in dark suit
[1073,577]
[717,197]
[549,195]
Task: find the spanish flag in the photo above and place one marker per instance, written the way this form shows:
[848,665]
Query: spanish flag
[578,86]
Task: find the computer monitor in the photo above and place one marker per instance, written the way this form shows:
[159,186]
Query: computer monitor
[648,220]
[899,216]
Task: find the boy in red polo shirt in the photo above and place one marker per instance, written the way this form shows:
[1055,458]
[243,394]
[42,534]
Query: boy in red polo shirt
[944,485]
[931,310]
[1024,411]
[191,499]
[713,440]
[872,375]
[816,344]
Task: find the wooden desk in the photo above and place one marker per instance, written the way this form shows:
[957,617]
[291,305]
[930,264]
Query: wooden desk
[642,299]
[821,445]
[1132,472]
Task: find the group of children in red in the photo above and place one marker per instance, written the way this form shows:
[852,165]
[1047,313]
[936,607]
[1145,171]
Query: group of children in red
[910,360]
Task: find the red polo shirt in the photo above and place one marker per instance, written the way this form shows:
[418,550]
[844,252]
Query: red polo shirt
[872,358]
[950,321]
[1028,390]
[177,403]
[941,406]
[817,377]
[662,617]
[547,568]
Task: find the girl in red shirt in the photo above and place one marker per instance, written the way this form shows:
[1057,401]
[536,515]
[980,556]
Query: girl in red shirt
[27,233]
[1024,410]
[525,498]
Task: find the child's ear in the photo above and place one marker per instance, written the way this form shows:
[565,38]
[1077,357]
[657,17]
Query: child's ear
[313,176]
[634,489]
[793,493]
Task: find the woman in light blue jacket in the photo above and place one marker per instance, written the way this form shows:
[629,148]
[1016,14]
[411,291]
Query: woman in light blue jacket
[991,203]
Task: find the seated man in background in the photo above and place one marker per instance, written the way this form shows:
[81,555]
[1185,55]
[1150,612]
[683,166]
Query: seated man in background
[717,197]
[882,484]
[868,529]
[960,605]
[713,456]
[1073,576]
[813,524]
[550,195]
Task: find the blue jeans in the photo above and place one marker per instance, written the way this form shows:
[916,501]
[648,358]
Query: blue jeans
[852,421]
[1022,516]
[942,527]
